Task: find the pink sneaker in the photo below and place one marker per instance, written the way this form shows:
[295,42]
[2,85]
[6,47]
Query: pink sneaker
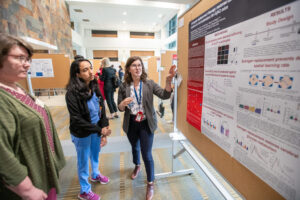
[89,196]
[100,178]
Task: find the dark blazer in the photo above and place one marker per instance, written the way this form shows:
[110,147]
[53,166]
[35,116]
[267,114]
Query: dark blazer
[108,75]
[80,120]
[149,88]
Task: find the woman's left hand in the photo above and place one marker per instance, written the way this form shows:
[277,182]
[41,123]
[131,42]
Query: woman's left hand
[172,73]
[103,141]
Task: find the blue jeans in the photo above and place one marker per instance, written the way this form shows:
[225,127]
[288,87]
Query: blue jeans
[141,139]
[87,147]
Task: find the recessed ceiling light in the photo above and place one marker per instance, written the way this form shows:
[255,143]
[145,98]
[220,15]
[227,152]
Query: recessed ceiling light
[85,20]
[124,22]
[160,16]
[124,13]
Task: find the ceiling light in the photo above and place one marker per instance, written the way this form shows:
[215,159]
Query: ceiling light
[78,10]
[154,24]
[124,13]
[85,20]
[160,16]
[124,22]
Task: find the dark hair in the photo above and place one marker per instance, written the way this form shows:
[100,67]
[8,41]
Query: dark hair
[7,42]
[127,77]
[77,84]
[78,57]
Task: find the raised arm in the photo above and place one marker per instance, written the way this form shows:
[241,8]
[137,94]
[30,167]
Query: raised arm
[169,78]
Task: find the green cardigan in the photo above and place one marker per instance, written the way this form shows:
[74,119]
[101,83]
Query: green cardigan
[24,147]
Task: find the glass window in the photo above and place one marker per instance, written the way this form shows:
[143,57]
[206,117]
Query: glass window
[173,25]
[172,45]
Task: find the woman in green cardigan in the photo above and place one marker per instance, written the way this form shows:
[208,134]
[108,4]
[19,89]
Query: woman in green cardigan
[30,150]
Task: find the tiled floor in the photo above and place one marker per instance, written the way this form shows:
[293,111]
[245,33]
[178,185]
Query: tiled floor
[116,162]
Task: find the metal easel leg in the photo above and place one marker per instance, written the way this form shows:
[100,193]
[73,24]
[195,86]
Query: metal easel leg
[175,136]
[173,172]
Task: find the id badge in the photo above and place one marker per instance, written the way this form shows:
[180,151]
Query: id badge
[139,116]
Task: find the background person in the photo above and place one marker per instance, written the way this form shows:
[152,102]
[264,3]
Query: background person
[31,153]
[100,82]
[88,123]
[135,97]
[108,77]
[121,73]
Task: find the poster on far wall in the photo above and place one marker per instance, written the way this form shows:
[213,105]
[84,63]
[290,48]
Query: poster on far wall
[41,68]
[244,86]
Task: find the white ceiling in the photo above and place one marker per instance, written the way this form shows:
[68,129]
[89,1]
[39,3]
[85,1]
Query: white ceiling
[141,15]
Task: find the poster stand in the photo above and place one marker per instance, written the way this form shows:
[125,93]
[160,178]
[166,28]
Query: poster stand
[29,83]
[177,136]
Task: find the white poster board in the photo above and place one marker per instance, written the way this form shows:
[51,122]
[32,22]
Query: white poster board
[251,87]
[41,68]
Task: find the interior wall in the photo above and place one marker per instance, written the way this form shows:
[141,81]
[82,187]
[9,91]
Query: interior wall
[248,184]
[141,53]
[106,53]
[47,21]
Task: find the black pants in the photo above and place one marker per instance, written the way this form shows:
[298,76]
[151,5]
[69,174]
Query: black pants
[141,139]
[109,95]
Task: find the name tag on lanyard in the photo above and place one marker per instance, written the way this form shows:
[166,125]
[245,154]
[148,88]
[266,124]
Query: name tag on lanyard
[139,116]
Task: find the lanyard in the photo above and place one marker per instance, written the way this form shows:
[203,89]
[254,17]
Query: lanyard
[139,100]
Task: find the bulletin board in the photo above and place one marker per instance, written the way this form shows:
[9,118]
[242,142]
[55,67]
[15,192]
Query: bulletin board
[96,64]
[244,178]
[61,65]
[166,63]
[41,68]
[152,69]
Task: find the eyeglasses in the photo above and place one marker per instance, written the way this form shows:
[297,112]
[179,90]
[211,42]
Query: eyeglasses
[136,66]
[22,59]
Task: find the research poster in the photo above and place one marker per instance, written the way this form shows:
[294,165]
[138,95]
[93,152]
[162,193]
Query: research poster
[248,59]
[41,68]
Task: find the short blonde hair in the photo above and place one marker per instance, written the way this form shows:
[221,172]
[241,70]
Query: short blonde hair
[105,62]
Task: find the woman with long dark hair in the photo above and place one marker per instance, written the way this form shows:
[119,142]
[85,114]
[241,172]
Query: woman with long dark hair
[88,124]
[135,97]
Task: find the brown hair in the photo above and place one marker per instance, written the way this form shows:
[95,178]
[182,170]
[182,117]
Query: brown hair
[7,42]
[127,77]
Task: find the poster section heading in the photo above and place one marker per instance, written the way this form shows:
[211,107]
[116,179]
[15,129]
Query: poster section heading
[228,13]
